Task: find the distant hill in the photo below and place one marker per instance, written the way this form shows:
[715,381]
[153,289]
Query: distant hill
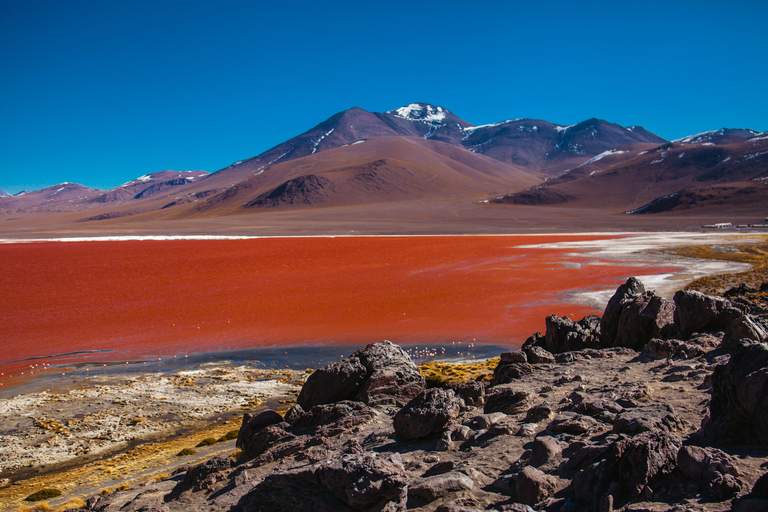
[422,160]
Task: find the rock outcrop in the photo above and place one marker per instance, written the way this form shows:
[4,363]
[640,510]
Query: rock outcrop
[379,373]
[590,429]
[634,316]
[738,411]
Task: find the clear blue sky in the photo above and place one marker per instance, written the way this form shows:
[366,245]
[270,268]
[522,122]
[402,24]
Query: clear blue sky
[100,92]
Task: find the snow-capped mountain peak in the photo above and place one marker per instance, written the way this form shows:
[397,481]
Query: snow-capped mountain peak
[421,112]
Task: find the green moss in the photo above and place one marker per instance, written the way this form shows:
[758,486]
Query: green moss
[43,494]
[208,441]
[232,434]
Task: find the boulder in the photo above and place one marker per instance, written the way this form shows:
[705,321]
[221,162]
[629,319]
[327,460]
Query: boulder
[426,490]
[505,373]
[572,423]
[472,392]
[379,373]
[738,410]
[337,381]
[427,414]
[534,486]
[630,466]
[253,424]
[507,400]
[333,419]
[538,355]
[697,312]
[391,375]
[756,500]
[565,335]
[351,482]
[671,349]
[647,418]
[716,469]
[633,317]
[744,327]
[545,450]
[264,439]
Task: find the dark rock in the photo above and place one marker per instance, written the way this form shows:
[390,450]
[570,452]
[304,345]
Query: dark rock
[602,409]
[744,327]
[354,482]
[516,356]
[671,349]
[538,355]
[197,474]
[472,392]
[294,414]
[545,450]
[338,381]
[738,410]
[252,424]
[756,500]
[440,468]
[379,373]
[647,418]
[539,413]
[427,414]
[724,487]
[697,463]
[565,335]
[332,419]
[507,400]
[505,373]
[591,353]
[633,317]
[264,439]
[534,486]
[696,312]
[630,466]
[426,490]
[572,423]
[391,374]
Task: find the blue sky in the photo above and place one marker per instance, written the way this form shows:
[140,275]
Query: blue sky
[100,92]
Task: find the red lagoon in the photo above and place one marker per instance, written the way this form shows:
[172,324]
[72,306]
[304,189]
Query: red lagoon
[140,299]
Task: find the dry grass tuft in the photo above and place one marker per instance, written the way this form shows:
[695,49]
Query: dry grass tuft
[185,452]
[754,254]
[43,494]
[72,504]
[208,441]
[438,374]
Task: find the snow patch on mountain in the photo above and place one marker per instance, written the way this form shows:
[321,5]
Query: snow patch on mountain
[603,155]
[317,143]
[420,112]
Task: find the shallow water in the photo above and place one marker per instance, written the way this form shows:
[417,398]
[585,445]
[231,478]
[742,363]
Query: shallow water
[159,299]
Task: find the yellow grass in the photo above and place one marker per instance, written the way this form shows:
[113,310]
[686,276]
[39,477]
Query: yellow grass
[754,254]
[437,373]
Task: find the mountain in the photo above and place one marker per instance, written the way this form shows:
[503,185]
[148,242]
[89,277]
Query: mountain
[3,193]
[62,197]
[726,171]
[422,166]
[149,185]
[544,148]
[379,170]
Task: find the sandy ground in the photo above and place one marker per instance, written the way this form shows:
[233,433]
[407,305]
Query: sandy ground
[107,426]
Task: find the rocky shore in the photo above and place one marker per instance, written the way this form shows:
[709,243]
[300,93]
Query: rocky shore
[655,406]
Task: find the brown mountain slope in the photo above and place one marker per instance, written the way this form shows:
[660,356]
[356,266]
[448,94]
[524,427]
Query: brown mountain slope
[63,197]
[386,169]
[705,169]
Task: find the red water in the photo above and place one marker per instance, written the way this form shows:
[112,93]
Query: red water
[145,298]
